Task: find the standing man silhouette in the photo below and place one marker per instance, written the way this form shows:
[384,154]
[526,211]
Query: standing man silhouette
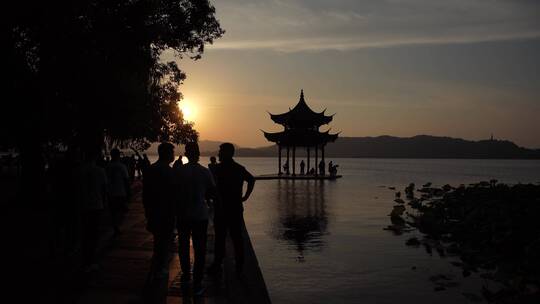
[158,204]
[286,168]
[196,184]
[119,188]
[212,165]
[321,167]
[94,196]
[230,178]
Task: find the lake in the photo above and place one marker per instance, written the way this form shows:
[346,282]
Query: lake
[323,241]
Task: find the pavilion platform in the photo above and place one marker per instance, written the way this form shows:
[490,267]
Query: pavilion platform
[297,177]
[301,130]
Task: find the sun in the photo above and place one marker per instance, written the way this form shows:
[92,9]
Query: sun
[188,109]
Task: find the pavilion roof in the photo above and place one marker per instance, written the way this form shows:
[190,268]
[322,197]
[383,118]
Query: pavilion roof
[301,137]
[301,116]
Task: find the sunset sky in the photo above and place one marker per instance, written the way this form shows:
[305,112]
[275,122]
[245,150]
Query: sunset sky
[456,68]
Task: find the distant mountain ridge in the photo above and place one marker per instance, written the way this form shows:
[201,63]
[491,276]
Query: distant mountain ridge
[420,146]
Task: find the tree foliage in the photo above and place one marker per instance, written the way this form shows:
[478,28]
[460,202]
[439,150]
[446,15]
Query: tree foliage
[81,68]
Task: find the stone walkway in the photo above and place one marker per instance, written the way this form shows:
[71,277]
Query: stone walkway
[125,266]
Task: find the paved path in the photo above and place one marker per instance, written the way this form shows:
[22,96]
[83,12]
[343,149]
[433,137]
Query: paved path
[126,264]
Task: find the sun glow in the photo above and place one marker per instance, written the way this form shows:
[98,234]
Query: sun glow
[188,110]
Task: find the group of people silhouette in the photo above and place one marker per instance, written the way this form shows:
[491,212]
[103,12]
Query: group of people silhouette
[180,197]
[332,169]
[135,164]
[101,184]
[107,180]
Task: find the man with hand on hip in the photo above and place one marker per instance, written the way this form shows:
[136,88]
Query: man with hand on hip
[230,179]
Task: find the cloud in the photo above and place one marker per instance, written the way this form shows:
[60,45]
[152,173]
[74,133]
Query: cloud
[342,44]
[308,25]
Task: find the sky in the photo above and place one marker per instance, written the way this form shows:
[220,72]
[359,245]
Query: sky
[456,68]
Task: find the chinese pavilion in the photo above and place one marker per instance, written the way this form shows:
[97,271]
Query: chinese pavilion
[301,129]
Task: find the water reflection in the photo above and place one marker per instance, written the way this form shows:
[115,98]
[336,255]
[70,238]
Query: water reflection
[302,219]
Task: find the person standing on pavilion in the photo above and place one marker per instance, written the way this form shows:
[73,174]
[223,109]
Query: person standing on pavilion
[302,167]
[230,179]
[194,185]
[333,170]
[321,167]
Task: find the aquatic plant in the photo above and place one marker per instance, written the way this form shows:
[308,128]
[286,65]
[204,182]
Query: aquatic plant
[493,228]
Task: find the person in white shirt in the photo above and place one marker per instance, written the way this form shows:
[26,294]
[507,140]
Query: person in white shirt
[194,185]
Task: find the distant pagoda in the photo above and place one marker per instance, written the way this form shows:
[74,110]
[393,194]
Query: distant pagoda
[301,129]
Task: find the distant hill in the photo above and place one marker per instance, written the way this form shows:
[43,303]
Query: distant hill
[421,146]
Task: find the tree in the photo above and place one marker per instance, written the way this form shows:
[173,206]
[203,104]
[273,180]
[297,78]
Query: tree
[80,73]
[88,69]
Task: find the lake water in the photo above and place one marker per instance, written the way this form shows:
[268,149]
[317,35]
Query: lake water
[323,242]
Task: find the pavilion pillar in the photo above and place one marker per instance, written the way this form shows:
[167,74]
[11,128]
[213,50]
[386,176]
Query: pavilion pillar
[294,160]
[288,163]
[279,160]
[308,167]
[322,155]
[316,160]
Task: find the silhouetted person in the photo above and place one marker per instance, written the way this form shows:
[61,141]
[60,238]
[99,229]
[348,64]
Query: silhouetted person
[93,195]
[119,188]
[101,161]
[230,178]
[65,187]
[286,168]
[195,184]
[333,170]
[158,203]
[212,165]
[131,164]
[138,165]
[178,162]
[330,166]
[145,163]
[302,168]
[321,167]
[311,171]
